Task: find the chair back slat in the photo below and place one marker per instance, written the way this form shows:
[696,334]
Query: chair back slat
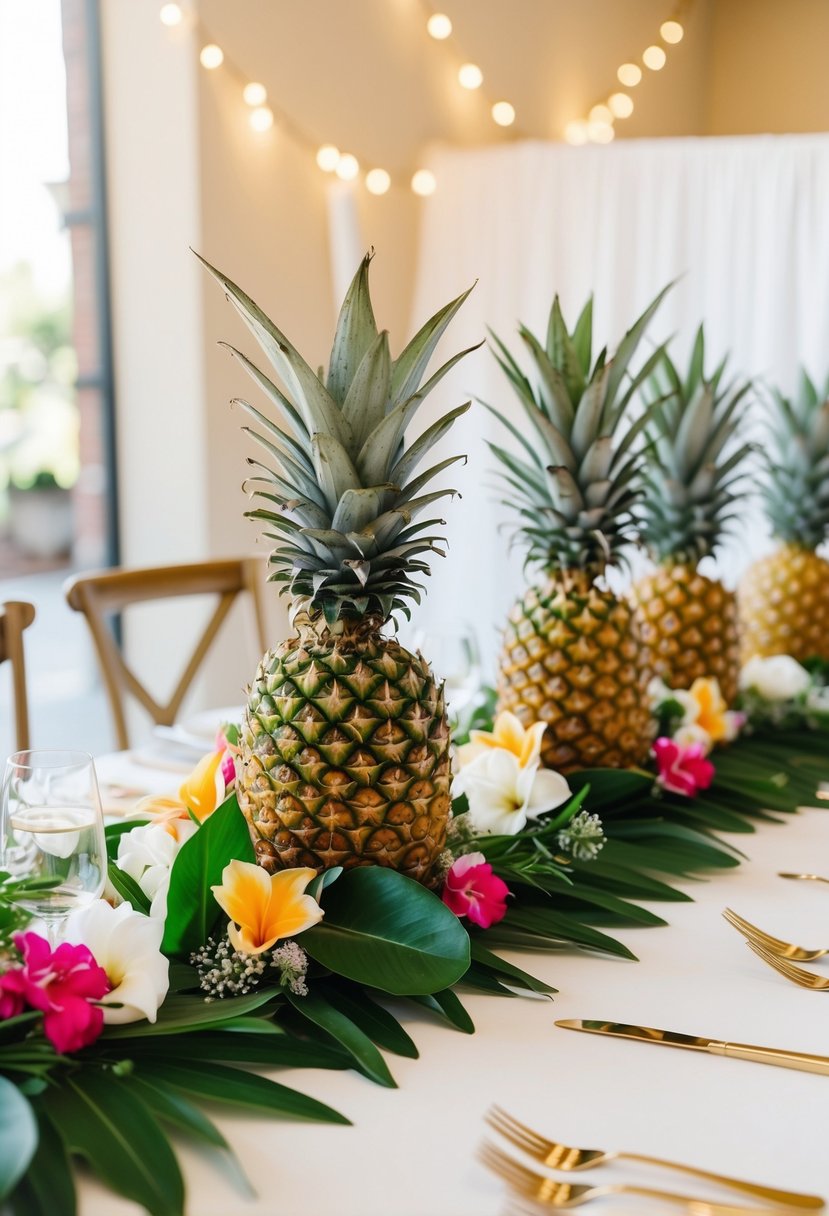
[15,616]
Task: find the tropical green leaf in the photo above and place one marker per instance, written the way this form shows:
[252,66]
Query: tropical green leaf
[48,1187]
[128,888]
[230,1046]
[507,971]
[18,1136]
[375,1021]
[184,1011]
[346,1032]
[388,932]
[448,1006]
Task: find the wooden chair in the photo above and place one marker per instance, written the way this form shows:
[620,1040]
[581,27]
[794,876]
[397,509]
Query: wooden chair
[108,592]
[15,616]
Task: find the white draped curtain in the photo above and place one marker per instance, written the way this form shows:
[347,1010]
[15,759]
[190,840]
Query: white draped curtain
[741,225]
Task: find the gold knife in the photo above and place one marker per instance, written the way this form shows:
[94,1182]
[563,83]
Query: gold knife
[715,1047]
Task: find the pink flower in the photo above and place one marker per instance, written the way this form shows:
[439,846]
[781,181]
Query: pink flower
[473,890]
[62,984]
[11,994]
[228,769]
[682,769]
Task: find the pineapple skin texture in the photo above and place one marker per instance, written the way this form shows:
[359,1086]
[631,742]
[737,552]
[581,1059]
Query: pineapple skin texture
[784,605]
[690,623]
[345,757]
[572,657]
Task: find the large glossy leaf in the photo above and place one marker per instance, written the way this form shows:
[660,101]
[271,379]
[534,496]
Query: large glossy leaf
[18,1135]
[47,1188]
[448,1006]
[100,1118]
[373,1019]
[367,1058]
[389,932]
[227,1046]
[184,1011]
[191,909]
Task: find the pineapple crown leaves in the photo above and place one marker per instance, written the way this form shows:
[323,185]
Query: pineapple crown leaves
[796,483]
[336,487]
[575,480]
[695,464]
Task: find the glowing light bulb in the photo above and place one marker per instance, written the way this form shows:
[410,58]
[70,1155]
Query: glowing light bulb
[671,31]
[347,167]
[503,113]
[600,114]
[576,132]
[654,58]
[377,181]
[211,56]
[629,75]
[439,26]
[328,157]
[261,119]
[255,94]
[423,182]
[171,14]
[600,132]
[621,106]
[470,76]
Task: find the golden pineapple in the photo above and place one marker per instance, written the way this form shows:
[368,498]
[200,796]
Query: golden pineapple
[345,743]
[573,655]
[693,474]
[784,597]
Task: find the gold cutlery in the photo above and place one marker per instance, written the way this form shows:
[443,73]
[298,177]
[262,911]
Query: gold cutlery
[803,1061]
[549,1193]
[561,1157]
[797,975]
[808,877]
[774,945]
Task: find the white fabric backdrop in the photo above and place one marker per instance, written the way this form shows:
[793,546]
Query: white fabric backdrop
[742,223]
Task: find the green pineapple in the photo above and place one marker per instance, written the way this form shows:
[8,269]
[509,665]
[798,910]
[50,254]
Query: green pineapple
[345,742]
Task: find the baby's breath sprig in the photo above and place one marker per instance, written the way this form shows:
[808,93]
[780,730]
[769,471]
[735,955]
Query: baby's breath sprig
[224,971]
[582,837]
[291,962]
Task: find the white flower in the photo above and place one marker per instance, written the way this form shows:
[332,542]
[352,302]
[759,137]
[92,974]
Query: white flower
[691,733]
[147,854]
[777,678]
[127,945]
[503,794]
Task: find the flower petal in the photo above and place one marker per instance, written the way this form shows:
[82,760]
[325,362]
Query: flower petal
[204,789]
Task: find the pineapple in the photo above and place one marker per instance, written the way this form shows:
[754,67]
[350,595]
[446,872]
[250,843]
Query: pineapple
[572,654]
[345,743]
[784,598]
[692,478]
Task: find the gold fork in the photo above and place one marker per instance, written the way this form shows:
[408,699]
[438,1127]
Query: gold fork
[774,945]
[797,975]
[561,1157]
[549,1193]
[810,877]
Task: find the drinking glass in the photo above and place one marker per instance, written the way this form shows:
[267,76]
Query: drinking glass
[52,826]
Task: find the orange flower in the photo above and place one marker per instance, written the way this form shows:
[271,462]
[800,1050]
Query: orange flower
[508,734]
[711,715]
[264,908]
[199,794]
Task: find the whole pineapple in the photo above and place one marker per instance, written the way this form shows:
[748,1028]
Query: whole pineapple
[784,598]
[572,653]
[692,480]
[345,743]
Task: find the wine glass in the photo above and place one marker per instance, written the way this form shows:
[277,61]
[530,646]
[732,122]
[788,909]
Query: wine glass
[52,827]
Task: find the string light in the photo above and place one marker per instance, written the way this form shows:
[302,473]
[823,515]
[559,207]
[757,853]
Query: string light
[629,74]
[261,119]
[423,183]
[620,105]
[654,58]
[212,56]
[328,158]
[470,76]
[576,132]
[255,94]
[347,167]
[600,132]
[439,26]
[600,114]
[377,181]
[503,113]
[671,32]
[171,14]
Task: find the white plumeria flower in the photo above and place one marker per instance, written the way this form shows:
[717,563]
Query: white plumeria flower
[147,854]
[776,678]
[686,735]
[127,945]
[503,794]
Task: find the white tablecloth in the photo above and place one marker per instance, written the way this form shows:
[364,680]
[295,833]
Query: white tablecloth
[411,1151]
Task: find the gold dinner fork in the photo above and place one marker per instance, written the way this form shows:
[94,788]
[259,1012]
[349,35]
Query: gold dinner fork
[561,1157]
[547,1192]
[797,975]
[774,945]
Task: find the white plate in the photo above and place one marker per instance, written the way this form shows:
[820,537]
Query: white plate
[198,732]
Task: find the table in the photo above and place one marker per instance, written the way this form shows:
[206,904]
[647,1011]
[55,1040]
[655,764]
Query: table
[411,1150]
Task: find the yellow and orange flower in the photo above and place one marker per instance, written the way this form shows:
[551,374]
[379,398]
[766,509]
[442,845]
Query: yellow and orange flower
[712,711]
[264,908]
[199,794]
[508,734]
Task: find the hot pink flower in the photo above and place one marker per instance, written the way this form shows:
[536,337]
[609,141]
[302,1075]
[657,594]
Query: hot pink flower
[682,769]
[62,983]
[228,769]
[11,995]
[473,890]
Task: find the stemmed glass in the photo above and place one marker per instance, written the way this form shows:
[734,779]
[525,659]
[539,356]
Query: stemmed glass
[52,827]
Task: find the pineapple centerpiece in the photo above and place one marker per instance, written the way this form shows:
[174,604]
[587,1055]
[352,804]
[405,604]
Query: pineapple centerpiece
[345,743]
[572,654]
[784,598]
[693,474]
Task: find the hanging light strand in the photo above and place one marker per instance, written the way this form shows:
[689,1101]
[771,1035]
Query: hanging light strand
[439,26]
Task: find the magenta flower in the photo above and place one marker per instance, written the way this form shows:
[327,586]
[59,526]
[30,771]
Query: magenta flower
[62,984]
[472,890]
[682,769]
[11,995]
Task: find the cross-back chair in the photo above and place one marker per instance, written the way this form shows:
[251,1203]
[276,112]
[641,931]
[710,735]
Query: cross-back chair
[106,593]
[15,616]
